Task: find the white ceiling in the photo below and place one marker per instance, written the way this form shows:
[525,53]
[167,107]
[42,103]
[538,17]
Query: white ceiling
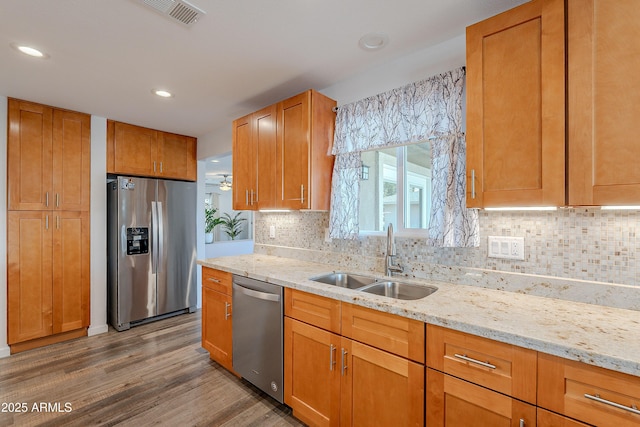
[107,55]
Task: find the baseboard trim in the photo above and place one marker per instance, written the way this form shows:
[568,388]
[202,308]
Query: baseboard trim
[97,330]
[5,351]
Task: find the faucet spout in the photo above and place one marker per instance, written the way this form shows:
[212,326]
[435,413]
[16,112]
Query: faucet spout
[390,266]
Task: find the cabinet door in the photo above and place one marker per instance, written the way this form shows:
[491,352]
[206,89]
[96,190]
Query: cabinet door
[71,160]
[29,291]
[604,102]
[453,402]
[293,151]
[244,165]
[134,149]
[379,388]
[30,181]
[516,107]
[312,373]
[549,419]
[71,273]
[176,157]
[264,142]
[216,326]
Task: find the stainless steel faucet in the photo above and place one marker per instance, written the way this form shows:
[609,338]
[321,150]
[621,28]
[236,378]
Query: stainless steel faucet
[390,267]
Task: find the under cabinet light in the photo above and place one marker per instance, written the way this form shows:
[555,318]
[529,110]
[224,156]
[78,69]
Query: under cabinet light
[613,208]
[273,210]
[524,208]
[31,51]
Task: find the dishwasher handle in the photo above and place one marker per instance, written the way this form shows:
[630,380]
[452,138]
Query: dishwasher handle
[256,294]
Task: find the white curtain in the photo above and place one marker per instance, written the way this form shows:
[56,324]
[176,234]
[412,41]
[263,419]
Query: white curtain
[430,109]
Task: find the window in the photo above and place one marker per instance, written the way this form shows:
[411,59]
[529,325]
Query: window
[395,187]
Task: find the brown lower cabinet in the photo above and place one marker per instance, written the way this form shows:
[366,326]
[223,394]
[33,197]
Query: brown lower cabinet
[332,380]
[216,316]
[549,419]
[48,277]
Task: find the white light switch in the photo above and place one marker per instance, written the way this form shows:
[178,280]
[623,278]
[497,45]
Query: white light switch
[506,247]
[272,231]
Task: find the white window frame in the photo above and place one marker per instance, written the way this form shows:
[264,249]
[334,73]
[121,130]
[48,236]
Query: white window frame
[402,179]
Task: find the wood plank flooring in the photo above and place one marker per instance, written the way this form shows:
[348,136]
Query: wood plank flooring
[154,374]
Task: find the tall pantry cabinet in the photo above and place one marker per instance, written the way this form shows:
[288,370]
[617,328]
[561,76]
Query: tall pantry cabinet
[48,224]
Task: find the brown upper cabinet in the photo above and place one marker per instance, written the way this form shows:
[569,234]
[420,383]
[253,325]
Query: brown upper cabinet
[280,155]
[49,158]
[533,140]
[134,150]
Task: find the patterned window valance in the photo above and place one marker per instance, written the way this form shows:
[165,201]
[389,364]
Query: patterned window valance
[430,109]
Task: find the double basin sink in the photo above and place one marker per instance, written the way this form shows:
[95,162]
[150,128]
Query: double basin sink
[371,285]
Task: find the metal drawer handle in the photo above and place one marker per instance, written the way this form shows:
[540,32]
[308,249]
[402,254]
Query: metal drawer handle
[226,311]
[521,422]
[332,360]
[213,280]
[344,362]
[477,362]
[633,409]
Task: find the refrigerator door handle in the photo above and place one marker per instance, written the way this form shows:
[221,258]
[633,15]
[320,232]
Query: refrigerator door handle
[160,228]
[154,237]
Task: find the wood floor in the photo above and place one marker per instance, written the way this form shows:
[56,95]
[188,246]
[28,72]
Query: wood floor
[154,374]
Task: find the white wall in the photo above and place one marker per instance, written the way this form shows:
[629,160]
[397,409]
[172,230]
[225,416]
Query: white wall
[98,323]
[4,348]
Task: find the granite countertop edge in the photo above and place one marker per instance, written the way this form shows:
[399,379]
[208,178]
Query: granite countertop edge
[597,335]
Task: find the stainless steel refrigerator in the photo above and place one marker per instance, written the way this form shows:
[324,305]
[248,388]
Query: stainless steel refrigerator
[151,247]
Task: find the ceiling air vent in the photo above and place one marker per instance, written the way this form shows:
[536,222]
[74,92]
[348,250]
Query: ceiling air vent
[179,10]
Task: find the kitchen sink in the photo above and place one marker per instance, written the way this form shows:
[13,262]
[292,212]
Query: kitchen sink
[344,280]
[399,290]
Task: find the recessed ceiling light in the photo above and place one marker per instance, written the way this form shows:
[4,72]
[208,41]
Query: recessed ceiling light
[373,41]
[163,93]
[28,50]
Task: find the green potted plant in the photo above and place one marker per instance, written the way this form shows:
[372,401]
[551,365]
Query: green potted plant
[232,226]
[210,222]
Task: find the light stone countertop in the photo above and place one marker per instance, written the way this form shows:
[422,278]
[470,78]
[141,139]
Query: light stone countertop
[597,335]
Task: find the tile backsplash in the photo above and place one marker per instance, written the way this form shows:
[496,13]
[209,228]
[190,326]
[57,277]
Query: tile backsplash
[585,244]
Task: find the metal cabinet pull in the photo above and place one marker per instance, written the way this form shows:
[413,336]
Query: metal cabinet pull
[302,194]
[211,279]
[47,199]
[154,167]
[521,422]
[226,311]
[477,362]
[46,222]
[57,200]
[252,197]
[246,197]
[473,183]
[344,362]
[58,222]
[332,359]
[160,167]
[633,408]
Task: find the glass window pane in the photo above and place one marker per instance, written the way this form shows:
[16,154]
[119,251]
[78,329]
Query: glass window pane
[378,189]
[417,178]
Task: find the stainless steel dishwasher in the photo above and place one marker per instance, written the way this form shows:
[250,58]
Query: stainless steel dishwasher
[257,334]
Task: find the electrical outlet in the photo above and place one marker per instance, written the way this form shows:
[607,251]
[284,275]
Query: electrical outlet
[272,231]
[506,247]
[327,237]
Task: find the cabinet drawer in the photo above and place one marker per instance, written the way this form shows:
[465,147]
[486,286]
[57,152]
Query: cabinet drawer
[217,280]
[549,419]
[451,401]
[502,367]
[395,334]
[587,393]
[313,309]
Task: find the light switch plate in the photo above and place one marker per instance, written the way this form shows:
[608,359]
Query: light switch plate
[272,231]
[505,247]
